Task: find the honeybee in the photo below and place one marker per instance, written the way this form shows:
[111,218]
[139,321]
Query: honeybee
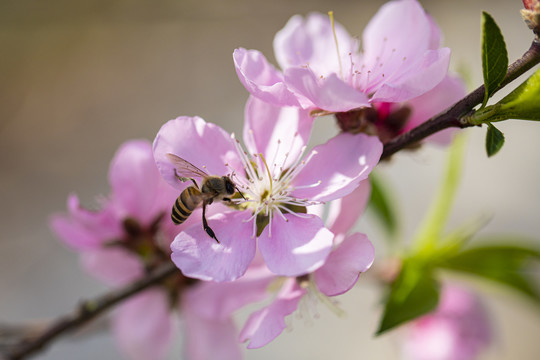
[213,188]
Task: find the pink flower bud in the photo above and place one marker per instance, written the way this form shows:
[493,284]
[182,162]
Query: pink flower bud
[529,4]
[531,15]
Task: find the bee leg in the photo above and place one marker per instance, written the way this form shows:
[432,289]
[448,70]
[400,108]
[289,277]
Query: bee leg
[184,179]
[226,200]
[207,228]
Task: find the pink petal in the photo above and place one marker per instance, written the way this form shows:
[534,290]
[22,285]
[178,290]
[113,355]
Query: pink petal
[344,265]
[442,96]
[295,245]
[311,42]
[83,229]
[279,133]
[201,257]
[416,79]
[207,339]
[73,234]
[205,145]
[219,300]
[329,93]
[346,211]
[143,326]
[261,79]
[112,265]
[458,329]
[266,324]
[137,187]
[436,34]
[400,30]
[339,166]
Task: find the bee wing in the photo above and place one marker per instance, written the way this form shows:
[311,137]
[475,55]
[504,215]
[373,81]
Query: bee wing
[186,169]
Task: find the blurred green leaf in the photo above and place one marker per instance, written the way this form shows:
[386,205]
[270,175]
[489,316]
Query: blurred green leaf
[504,263]
[494,140]
[380,205]
[433,225]
[414,293]
[494,56]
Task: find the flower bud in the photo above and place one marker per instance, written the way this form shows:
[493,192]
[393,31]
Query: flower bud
[531,15]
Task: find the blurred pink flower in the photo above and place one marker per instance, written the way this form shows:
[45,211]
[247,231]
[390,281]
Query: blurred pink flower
[352,255]
[401,59]
[130,234]
[277,180]
[459,329]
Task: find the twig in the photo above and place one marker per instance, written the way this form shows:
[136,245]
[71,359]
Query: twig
[85,312]
[451,117]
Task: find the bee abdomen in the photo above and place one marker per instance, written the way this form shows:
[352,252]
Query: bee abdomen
[184,205]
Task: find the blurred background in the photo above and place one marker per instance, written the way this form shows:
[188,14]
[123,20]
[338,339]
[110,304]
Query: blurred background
[78,78]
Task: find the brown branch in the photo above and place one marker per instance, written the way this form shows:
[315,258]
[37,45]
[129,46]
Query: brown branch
[85,312]
[452,116]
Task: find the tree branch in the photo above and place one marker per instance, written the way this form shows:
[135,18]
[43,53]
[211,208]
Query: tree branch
[85,312]
[452,116]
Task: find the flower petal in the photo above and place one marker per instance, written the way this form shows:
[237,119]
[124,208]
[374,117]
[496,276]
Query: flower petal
[205,145]
[398,33]
[344,265]
[436,34]
[458,329]
[295,245]
[261,79]
[279,133]
[83,229]
[201,257]
[329,93]
[449,91]
[219,300]
[311,42]
[339,166]
[209,338]
[137,188]
[112,265]
[143,326]
[266,324]
[344,212]
[416,79]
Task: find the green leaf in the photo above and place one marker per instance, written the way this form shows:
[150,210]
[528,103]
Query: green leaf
[379,204]
[504,263]
[433,225]
[494,140]
[522,104]
[494,56]
[414,293]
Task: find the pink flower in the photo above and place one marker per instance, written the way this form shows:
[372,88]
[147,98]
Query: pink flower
[131,233]
[352,255]
[389,120]
[458,330]
[401,59]
[279,183]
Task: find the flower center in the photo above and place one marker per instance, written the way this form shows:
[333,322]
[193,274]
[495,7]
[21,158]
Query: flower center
[267,186]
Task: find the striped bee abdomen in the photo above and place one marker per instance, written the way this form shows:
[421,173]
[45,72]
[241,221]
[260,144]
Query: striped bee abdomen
[184,205]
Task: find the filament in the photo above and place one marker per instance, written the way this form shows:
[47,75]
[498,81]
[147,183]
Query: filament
[331,15]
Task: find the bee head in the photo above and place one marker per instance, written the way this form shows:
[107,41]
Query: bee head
[229,185]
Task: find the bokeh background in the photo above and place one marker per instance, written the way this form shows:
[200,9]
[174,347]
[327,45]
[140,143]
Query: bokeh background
[78,78]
